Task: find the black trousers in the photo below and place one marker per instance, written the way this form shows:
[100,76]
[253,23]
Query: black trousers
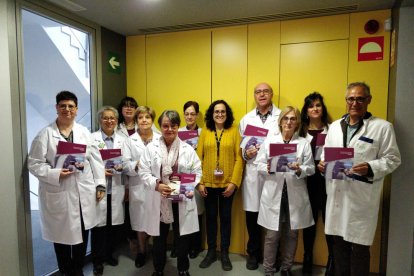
[195,238]
[317,198]
[70,258]
[351,259]
[159,248]
[255,235]
[104,238]
[216,203]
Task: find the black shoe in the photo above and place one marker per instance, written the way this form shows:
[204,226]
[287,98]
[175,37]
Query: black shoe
[156,273]
[286,273]
[111,261]
[98,269]
[173,254]
[330,267]
[183,273]
[140,260]
[193,253]
[307,264]
[252,263]
[225,261]
[210,258]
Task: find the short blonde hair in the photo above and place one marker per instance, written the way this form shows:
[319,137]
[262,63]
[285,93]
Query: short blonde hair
[285,111]
[145,109]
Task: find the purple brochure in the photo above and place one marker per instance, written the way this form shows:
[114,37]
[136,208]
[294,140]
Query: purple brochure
[338,163]
[112,159]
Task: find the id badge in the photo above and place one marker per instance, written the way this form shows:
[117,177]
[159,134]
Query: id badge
[218,172]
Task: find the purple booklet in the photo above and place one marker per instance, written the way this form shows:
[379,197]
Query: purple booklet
[320,142]
[338,163]
[253,136]
[189,136]
[70,156]
[282,156]
[182,185]
[112,159]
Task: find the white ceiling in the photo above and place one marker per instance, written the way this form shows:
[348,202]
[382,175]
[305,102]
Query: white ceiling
[132,17]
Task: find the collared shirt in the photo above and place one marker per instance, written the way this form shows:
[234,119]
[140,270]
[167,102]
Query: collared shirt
[109,140]
[263,117]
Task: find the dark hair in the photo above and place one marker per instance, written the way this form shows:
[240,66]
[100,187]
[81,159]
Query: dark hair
[192,103]
[208,118]
[172,115]
[304,113]
[126,101]
[367,89]
[66,96]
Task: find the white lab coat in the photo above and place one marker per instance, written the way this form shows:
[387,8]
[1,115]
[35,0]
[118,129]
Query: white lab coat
[352,206]
[299,204]
[252,181]
[198,197]
[149,170]
[118,189]
[132,150]
[60,199]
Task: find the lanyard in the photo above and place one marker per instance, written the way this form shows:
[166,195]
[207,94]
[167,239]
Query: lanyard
[218,140]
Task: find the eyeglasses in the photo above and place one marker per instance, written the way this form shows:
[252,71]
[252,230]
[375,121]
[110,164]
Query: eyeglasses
[351,100]
[109,119]
[70,107]
[287,119]
[264,91]
[190,114]
[172,127]
[219,112]
[129,106]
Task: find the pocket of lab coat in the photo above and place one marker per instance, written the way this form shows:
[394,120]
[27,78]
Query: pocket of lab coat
[56,203]
[136,193]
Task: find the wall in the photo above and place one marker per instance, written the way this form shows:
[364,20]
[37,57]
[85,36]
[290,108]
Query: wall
[400,241]
[295,57]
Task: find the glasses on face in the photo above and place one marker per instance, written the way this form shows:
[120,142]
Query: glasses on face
[109,119]
[129,106]
[219,112]
[70,107]
[351,100]
[287,119]
[264,91]
[167,127]
[190,114]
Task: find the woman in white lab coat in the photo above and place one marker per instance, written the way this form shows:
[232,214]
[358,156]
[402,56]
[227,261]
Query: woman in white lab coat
[110,209]
[284,203]
[132,150]
[315,123]
[67,199]
[160,160]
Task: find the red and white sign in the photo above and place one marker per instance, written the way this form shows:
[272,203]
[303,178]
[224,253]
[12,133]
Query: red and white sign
[371,48]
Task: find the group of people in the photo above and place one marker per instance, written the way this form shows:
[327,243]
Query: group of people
[280,203]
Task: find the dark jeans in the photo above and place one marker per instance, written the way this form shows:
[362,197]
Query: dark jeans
[195,238]
[255,235]
[317,198]
[104,238]
[159,249]
[216,203]
[70,258]
[350,258]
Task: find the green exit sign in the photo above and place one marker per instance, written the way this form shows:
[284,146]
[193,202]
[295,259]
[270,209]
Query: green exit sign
[114,63]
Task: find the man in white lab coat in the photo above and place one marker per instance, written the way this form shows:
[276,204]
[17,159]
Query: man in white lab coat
[265,115]
[352,205]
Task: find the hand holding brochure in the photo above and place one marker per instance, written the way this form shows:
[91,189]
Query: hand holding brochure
[190,137]
[282,157]
[338,163]
[253,136]
[112,159]
[70,156]
[182,185]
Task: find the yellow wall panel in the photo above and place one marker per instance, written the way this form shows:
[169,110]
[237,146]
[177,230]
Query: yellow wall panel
[178,70]
[136,71]
[317,66]
[315,29]
[229,68]
[375,73]
[263,58]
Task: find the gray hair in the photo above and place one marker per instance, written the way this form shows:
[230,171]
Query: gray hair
[365,86]
[107,108]
[172,115]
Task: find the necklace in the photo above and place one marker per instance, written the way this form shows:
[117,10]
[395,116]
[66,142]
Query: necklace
[130,126]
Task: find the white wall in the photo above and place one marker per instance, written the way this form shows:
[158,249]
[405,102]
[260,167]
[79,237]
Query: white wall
[400,239]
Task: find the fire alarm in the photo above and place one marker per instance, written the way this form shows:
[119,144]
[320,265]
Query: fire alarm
[371,27]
